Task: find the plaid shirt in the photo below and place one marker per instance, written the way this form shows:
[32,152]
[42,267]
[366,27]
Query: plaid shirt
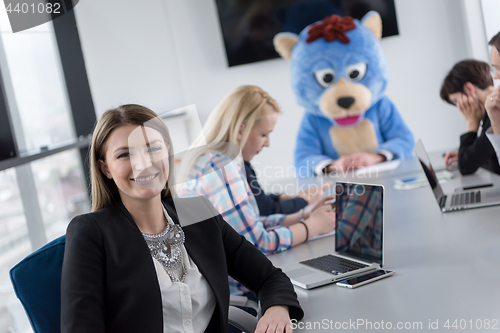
[357,215]
[223,182]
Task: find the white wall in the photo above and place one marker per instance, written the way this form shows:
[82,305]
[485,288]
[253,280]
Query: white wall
[129,54]
[491,10]
[475,28]
[173,55]
[431,39]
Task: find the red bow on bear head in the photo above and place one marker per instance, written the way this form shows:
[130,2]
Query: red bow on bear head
[332,28]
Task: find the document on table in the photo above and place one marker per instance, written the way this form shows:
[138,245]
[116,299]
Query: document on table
[321,236]
[419,181]
[379,167]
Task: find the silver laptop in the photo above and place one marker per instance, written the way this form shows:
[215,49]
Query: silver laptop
[459,199]
[358,239]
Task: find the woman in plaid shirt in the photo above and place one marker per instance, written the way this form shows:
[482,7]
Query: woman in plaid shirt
[243,121]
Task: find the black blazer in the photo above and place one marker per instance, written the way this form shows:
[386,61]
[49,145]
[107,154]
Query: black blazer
[477,151]
[109,281]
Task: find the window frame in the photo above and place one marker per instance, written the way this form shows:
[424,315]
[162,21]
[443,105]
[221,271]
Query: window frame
[79,96]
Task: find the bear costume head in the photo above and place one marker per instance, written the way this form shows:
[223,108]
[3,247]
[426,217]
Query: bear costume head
[337,66]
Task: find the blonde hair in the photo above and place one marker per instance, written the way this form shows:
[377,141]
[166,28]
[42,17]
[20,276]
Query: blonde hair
[244,105]
[103,190]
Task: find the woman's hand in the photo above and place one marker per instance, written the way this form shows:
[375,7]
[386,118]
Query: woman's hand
[314,192]
[450,158]
[472,111]
[492,106]
[315,205]
[275,320]
[322,221]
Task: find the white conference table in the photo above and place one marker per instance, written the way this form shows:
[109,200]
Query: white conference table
[447,266]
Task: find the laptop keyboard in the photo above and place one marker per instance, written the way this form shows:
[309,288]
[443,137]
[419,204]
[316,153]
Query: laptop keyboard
[333,264]
[465,198]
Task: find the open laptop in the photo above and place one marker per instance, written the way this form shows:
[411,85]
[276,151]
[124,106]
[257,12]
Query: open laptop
[459,199]
[358,239]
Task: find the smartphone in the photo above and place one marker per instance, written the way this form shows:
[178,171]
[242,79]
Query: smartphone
[364,279]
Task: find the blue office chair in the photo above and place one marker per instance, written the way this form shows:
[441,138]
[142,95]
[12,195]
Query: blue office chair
[37,282]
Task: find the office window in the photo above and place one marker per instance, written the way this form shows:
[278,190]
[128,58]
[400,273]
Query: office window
[61,194]
[61,191]
[46,103]
[14,245]
[35,73]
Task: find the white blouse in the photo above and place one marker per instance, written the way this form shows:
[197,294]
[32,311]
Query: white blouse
[187,306]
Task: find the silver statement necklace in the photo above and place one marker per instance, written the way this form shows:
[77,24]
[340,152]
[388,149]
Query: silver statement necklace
[171,260]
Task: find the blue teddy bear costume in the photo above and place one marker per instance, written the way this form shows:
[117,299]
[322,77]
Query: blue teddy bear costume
[339,75]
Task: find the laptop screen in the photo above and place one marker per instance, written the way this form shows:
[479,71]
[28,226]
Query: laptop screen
[359,220]
[428,170]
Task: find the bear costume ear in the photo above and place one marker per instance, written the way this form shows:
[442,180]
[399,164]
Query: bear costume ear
[373,21]
[284,43]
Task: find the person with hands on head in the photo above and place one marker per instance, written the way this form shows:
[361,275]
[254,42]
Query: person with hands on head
[242,121]
[145,260]
[492,104]
[467,86]
[473,113]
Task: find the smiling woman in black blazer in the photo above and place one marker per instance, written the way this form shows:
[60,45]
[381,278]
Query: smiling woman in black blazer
[146,261]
